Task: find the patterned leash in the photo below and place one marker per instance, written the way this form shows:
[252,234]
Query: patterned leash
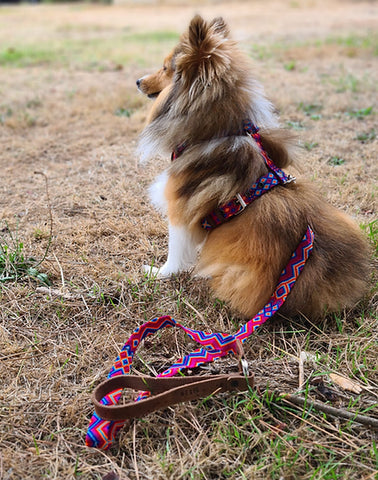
[101,432]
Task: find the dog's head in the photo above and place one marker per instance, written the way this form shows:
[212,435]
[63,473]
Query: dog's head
[205,76]
[153,84]
[207,92]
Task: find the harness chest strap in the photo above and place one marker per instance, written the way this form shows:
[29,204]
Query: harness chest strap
[101,432]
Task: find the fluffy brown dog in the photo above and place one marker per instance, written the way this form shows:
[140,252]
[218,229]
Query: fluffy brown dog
[199,114]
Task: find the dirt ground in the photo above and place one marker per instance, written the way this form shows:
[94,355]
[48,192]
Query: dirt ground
[70,110]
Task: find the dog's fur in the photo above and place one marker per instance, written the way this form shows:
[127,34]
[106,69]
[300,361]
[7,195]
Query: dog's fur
[203,101]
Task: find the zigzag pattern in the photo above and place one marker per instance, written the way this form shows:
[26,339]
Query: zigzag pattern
[253,130]
[101,432]
[264,184]
[233,207]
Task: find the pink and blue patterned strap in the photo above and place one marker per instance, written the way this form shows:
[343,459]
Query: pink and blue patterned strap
[250,129]
[101,433]
[237,204]
[264,184]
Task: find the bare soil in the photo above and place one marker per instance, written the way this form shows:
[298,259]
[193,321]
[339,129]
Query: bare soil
[74,115]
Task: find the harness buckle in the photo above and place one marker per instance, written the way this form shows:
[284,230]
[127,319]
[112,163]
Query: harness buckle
[290,179]
[241,202]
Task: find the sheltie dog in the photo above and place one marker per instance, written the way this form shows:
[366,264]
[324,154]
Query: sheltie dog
[203,95]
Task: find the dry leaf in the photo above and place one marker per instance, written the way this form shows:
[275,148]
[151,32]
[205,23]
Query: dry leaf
[345,383]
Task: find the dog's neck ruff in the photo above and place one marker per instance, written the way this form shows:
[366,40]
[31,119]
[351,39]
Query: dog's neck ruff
[101,432]
[237,204]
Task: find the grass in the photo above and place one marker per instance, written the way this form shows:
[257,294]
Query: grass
[14,265]
[360,113]
[90,53]
[350,45]
[335,161]
[371,230]
[71,110]
[311,110]
[365,137]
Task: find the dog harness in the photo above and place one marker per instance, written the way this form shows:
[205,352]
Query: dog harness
[237,204]
[162,391]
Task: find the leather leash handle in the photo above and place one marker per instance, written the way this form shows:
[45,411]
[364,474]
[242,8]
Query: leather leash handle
[165,392]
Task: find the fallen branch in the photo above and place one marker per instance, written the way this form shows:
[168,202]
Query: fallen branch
[335,412]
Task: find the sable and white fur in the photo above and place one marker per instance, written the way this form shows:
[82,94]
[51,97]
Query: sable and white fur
[209,94]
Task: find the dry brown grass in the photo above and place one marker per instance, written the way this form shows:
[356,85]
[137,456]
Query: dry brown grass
[65,71]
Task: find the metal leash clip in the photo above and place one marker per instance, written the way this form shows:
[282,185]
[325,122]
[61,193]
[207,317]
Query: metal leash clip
[242,362]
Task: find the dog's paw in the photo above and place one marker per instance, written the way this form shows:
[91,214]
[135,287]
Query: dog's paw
[155,272]
[150,270]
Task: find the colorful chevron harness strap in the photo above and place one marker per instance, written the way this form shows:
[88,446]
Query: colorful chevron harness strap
[101,433]
[264,184]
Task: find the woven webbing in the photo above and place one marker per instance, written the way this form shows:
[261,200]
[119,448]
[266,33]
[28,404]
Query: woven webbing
[101,432]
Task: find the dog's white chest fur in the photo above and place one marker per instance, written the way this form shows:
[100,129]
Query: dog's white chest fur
[156,192]
[182,249]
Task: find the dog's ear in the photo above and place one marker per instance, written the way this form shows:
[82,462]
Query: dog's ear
[220,26]
[204,56]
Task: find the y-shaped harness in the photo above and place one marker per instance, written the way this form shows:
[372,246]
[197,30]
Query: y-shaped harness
[162,391]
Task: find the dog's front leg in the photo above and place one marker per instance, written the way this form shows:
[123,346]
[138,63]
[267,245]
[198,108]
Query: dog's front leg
[182,253]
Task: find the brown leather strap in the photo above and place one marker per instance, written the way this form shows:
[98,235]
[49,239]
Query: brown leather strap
[165,392]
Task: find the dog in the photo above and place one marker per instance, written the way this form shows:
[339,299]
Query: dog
[204,95]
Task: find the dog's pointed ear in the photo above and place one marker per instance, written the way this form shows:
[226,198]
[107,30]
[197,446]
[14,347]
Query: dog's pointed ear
[220,26]
[204,56]
[197,31]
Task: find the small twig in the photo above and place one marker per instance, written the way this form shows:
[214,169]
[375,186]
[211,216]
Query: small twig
[188,304]
[50,218]
[134,453]
[372,475]
[335,412]
[58,293]
[300,371]
[61,272]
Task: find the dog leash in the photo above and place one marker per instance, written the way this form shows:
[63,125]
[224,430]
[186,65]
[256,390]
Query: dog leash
[162,391]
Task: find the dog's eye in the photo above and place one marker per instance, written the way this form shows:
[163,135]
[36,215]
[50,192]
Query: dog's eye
[165,68]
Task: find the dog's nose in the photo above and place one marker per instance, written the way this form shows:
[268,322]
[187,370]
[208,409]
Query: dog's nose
[138,82]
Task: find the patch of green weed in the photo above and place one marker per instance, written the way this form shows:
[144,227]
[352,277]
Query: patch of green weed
[295,125]
[156,36]
[290,66]
[335,161]
[310,145]
[311,110]
[365,137]
[371,230]
[14,265]
[360,114]
[123,112]
[91,53]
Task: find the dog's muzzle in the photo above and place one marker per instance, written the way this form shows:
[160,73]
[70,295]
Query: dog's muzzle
[139,83]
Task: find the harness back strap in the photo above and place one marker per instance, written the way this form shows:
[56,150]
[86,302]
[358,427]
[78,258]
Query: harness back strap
[106,422]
